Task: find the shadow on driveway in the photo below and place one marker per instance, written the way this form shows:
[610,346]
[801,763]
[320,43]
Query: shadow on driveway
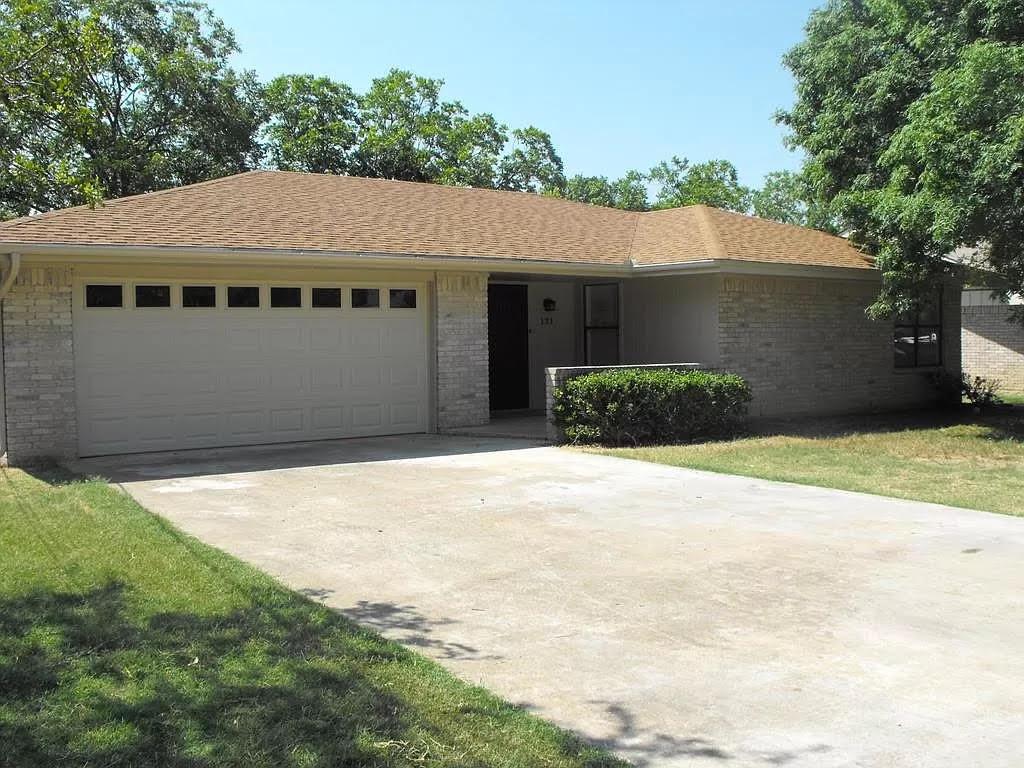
[260,458]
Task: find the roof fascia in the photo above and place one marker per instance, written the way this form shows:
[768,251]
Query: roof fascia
[99,254]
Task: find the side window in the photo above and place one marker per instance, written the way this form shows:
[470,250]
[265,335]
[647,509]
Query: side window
[104,296]
[917,335]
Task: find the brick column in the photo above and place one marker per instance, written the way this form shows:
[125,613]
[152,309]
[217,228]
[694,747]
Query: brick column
[39,367]
[460,305]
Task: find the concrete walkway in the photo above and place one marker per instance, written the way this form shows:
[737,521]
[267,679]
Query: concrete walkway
[679,617]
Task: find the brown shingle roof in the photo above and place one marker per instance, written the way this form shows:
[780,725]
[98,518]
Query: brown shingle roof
[321,213]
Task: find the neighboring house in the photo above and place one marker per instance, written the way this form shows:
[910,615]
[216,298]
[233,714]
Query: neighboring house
[270,307]
[993,346]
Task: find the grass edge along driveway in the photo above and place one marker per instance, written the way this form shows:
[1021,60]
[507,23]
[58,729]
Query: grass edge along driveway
[125,642]
[955,458]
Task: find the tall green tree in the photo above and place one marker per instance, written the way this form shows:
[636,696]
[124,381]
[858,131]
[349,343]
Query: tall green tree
[311,124]
[715,183]
[406,131]
[789,197]
[911,113]
[116,97]
[531,164]
[628,192]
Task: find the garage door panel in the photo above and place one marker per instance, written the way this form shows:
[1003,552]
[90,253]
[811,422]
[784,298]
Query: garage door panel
[327,418]
[158,379]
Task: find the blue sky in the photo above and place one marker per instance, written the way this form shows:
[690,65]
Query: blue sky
[617,85]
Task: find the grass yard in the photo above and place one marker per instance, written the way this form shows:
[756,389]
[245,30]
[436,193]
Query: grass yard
[124,642]
[956,459]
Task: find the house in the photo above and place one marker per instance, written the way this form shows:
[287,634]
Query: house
[270,307]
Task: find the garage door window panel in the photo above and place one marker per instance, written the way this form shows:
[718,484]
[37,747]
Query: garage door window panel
[285,297]
[326,298]
[198,296]
[402,298]
[243,297]
[365,298]
[152,296]
[104,296]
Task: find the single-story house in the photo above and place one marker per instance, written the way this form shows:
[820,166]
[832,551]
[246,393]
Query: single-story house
[271,307]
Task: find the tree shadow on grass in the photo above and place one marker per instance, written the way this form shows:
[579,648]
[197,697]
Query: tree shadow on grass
[86,678]
[1001,423]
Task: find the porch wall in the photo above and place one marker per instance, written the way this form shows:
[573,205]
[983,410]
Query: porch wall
[807,347]
[670,318]
[460,306]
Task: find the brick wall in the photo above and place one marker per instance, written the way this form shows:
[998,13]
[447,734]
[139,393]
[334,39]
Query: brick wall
[993,347]
[39,370]
[807,347]
[460,304]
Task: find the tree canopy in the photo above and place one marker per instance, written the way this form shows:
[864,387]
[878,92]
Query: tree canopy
[911,113]
[115,97]
[715,183]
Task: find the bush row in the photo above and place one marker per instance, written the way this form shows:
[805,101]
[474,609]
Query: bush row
[634,406]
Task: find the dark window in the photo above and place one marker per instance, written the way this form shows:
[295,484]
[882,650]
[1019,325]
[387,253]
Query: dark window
[917,336]
[365,298]
[152,295]
[104,296]
[243,296]
[402,298]
[285,297]
[202,296]
[601,323]
[326,298]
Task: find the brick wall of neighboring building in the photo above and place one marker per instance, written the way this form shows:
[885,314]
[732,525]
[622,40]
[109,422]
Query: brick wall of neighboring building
[463,399]
[807,347]
[993,347]
[39,368]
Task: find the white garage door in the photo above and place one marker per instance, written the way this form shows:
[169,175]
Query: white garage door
[168,365]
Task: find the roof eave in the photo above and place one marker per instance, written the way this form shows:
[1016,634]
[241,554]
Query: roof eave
[286,257]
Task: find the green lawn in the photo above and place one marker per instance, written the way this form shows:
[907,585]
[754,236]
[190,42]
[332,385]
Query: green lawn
[124,642]
[957,459]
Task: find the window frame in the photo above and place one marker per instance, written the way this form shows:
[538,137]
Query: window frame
[153,284]
[351,295]
[917,329]
[107,284]
[415,299]
[588,326]
[260,303]
[270,297]
[218,300]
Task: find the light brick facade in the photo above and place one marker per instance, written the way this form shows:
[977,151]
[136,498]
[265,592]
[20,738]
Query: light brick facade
[807,347]
[463,399]
[39,368]
[993,347]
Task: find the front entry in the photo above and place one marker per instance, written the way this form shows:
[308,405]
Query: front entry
[508,346]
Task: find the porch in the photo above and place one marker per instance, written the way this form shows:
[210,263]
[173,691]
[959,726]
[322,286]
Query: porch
[538,322]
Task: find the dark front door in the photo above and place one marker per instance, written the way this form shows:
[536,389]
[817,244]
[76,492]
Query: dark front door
[508,346]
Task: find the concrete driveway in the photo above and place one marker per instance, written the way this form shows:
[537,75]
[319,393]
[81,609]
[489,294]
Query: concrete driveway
[679,617]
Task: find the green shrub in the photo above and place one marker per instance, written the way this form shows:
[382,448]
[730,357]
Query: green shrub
[977,391]
[634,406]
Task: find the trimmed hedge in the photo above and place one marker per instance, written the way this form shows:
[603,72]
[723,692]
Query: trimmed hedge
[632,406]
